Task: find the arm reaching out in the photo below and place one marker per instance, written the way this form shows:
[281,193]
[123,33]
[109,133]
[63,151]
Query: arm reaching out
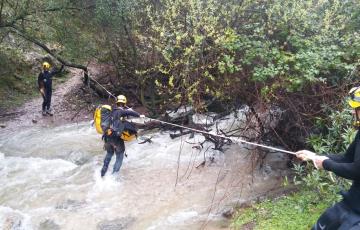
[54,72]
[131,113]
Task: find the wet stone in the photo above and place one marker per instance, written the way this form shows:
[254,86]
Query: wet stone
[215,158]
[228,213]
[48,225]
[71,204]
[79,158]
[116,224]
[277,161]
[203,119]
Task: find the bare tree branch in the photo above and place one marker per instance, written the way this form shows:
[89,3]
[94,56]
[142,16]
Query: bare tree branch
[44,47]
[1,10]
[25,14]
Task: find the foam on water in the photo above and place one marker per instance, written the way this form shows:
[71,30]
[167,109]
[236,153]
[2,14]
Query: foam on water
[36,168]
[50,142]
[182,218]
[108,183]
[14,219]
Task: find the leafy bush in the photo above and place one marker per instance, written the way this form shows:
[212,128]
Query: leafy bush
[337,136]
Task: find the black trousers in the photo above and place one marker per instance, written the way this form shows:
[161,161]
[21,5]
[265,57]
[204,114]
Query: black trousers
[46,99]
[117,146]
[338,217]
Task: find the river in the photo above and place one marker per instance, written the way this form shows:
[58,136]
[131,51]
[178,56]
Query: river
[50,179]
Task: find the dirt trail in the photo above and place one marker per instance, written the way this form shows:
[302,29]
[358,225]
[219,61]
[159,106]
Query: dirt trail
[65,103]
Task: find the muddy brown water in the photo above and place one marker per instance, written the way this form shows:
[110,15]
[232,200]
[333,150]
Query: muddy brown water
[50,179]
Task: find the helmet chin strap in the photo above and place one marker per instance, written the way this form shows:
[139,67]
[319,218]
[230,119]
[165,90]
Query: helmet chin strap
[121,105]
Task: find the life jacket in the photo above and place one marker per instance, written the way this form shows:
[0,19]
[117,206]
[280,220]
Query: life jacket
[102,118]
[129,132]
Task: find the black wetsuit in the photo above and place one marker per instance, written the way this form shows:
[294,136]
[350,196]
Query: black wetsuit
[344,215]
[45,81]
[113,143]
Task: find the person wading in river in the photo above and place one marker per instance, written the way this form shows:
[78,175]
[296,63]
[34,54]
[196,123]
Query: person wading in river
[113,135]
[45,86]
[345,214]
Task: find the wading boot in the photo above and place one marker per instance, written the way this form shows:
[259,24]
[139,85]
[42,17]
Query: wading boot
[49,112]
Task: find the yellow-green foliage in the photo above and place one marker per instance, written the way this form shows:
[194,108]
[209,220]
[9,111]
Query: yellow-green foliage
[227,49]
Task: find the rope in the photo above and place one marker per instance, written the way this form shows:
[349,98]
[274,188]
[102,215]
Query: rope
[203,132]
[110,94]
[238,140]
[235,140]
[224,137]
[212,134]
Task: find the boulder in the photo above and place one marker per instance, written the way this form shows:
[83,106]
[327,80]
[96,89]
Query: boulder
[275,161]
[203,119]
[49,225]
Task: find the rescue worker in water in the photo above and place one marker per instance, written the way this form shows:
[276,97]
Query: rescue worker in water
[112,136]
[45,86]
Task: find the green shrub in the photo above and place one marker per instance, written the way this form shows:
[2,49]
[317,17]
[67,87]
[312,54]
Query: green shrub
[318,189]
[296,211]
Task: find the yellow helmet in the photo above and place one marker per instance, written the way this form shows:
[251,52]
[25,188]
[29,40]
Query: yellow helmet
[46,65]
[354,101]
[121,99]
